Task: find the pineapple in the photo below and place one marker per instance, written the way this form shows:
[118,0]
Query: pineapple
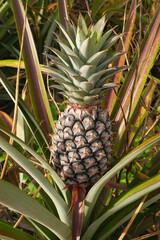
[81,145]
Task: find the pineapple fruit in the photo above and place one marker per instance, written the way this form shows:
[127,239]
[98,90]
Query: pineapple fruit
[81,145]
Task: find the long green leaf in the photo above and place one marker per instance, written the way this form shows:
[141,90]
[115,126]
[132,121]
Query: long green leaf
[13,63]
[19,201]
[61,206]
[49,41]
[110,9]
[6,26]
[91,197]
[135,80]
[62,11]
[41,231]
[121,217]
[7,230]
[123,46]
[129,197]
[36,85]
[151,168]
[3,9]
[6,238]
[28,116]
[98,4]
[45,164]
[141,111]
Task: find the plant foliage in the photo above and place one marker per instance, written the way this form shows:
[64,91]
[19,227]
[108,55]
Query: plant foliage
[133,174]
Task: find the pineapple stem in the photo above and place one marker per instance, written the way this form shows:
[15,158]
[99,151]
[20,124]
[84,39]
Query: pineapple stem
[77,207]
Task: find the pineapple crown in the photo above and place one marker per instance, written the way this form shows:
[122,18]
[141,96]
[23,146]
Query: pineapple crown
[81,66]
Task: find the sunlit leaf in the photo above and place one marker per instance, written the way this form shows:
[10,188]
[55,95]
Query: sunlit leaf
[91,197]
[129,197]
[45,164]
[62,208]
[28,116]
[135,81]
[123,46]
[122,216]
[8,232]
[19,201]
[36,85]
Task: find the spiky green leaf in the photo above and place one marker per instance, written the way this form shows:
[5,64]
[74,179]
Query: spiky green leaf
[108,60]
[80,37]
[76,62]
[61,206]
[94,60]
[82,24]
[98,28]
[19,201]
[87,49]
[63,57]
[109,74]
[103,39]
[86,86]
[72,44]
[87,70]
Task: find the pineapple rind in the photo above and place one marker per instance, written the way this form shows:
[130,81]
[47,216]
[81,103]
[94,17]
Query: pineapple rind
[81,145]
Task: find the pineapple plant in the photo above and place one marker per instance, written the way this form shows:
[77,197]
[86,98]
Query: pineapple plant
[90,219]
[81,145]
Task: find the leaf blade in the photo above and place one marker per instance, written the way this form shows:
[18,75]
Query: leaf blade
[32,67]
[7,230]
[130,197]
[16,199]
[91,197]
[62,208]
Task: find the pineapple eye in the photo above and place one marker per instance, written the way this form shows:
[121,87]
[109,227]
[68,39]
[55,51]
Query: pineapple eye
[104,169]
[73,156]
[56,161]
[99,154]
[69,120]
[91,136]
[59,147]
[79,113]
[82,177]
[78,167]
[103,116]
[80,141]
[64,160]
[68,171]
[88,123]
[95,178]
[89,161]
[104,136]
[70,145]
[107,144]
[96,145]
[93,170]
[61,174]
[103,162]
[108,124]
[100,127]
[57,138]
[78,129]
[84,152]
[68,133]
[58,127]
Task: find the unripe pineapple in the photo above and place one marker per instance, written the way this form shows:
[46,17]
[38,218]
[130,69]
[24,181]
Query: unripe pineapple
[81,145]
